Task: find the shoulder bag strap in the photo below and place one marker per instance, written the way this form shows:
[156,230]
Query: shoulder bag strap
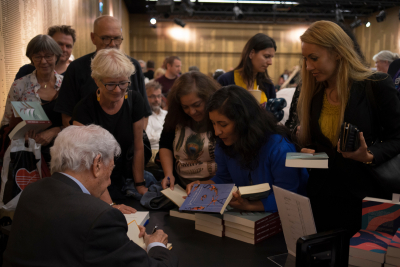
[374,110]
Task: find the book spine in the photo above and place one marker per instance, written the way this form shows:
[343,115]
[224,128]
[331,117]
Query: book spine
[37,122]
[266,219]
[267,228]
[267,235]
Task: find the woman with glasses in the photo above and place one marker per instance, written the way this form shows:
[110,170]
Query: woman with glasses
[42,86]
[120,111]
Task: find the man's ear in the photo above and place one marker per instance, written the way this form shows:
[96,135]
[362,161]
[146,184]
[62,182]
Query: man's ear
[96,167]
[92,37]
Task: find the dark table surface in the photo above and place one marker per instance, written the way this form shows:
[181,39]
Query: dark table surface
[195,248]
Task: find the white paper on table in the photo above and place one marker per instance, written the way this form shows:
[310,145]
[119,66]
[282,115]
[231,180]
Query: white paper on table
[296,216]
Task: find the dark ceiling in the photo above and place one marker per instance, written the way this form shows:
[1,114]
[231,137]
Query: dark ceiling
[305,12]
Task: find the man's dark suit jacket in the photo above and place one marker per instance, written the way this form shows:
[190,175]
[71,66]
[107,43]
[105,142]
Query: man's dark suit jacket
[56,224]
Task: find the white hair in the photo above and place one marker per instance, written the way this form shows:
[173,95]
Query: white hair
[111,63]
[386,55]
[76,147]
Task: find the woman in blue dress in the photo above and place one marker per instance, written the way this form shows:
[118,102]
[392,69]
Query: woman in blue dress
[250,148]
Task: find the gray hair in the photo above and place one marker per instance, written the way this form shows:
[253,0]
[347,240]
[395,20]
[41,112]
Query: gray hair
[193,68]
[386,55]
[111,63]
[76,147]
[43,43]
[153,85]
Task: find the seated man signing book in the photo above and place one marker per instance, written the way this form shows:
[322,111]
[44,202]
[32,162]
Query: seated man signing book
[251,148]
[60,220]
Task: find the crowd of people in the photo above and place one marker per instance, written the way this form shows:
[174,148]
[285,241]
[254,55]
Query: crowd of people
[201,129]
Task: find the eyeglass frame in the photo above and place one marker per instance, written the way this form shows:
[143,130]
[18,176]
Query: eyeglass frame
[111,39]
[115,85]
[41,57]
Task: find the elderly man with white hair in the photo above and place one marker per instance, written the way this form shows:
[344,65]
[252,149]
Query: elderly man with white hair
[60,220]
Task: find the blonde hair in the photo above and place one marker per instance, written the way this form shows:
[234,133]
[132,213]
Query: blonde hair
[386,55]
[159,71]
[110,63]
[330,36]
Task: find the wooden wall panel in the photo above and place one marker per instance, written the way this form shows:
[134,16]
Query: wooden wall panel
[21,20]
[211,46]
[380,36]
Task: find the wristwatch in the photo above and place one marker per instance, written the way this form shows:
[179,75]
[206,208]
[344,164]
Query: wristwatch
[140,184]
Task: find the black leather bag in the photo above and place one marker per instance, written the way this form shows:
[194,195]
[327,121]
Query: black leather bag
[387,173]
[349,137]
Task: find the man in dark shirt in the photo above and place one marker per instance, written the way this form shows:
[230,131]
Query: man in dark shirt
[78,82]
[65,37]
[171,74]
[150,70]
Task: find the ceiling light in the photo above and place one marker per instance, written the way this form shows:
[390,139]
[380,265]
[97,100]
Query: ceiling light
[381,16]
[180,22]
[153,21]
[238,13]
[357,22]
[339,15]
[367,24]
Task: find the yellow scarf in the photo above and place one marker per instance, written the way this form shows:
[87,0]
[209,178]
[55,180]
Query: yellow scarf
[239,82]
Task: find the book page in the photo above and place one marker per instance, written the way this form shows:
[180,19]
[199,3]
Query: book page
[252,189]
[296,216]
[140,217]
[133,234]
[175,195]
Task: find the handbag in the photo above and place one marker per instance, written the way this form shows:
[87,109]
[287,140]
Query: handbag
[387,173]
[349,137]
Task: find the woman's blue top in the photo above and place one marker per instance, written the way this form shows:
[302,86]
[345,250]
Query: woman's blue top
[271,169]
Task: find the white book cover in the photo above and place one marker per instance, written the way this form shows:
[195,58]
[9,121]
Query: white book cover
[296,216]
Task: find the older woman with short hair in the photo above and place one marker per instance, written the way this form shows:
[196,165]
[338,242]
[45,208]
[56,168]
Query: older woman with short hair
[119,112]
[41,85]
[383,60]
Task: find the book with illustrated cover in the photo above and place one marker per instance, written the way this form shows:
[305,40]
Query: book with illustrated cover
[307,160]
[370,245]
[208,198]
[252,239]
[254,230]
[394,245]
[354,261]
[33,118]
[380,215]
[392,260]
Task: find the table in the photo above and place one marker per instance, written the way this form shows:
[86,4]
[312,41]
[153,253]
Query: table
[195,248]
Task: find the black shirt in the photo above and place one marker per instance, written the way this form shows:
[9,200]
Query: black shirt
[78,83]
[149,74]
[120,125]
[25,70]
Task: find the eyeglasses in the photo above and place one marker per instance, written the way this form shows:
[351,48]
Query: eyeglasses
[155,96]
[121,85]
[107,40]
[48,58]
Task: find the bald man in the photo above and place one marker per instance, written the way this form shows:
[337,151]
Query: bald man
[78,83]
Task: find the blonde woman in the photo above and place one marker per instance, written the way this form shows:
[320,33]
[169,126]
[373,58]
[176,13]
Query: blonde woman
[334,91]
[383,59]
[119,112]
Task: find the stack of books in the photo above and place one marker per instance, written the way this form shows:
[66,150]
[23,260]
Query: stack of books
[380,224]
[368,248]
[210,223]
[393,252]
[251,227]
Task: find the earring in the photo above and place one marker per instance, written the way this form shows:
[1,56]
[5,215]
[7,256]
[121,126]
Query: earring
[98,94]
[126,95]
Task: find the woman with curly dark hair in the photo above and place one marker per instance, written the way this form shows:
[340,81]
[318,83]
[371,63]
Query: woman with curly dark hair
[250,148]
[186,153]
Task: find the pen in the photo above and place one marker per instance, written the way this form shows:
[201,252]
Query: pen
[154,229]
